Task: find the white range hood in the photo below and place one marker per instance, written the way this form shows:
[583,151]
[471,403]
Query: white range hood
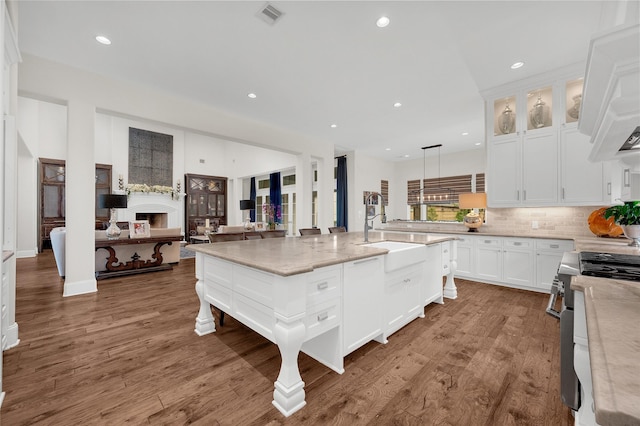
[611,97]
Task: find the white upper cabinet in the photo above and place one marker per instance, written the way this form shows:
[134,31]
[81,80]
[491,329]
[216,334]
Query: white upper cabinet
[535,155]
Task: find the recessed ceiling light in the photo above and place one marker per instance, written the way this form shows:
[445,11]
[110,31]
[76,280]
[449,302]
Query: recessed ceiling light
[387,149]
[478,143]
[406,156]
[382,22]
[517,65]
[252,95]
[333,126]
[397,105]
[465,133]
[103,40]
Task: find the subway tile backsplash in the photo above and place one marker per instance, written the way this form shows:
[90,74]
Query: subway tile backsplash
[570,222]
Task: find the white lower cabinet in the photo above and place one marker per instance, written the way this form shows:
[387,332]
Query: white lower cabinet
[527,263]
[518,262]
[432,283]
[402,301]
[489,259]
[548,257]
[465,265]
[362,290]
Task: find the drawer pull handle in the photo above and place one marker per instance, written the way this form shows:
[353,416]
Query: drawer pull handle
[487,241]
[517,243]
[323,285]
[323,316]
[407,280]
[445,251]
[555,245]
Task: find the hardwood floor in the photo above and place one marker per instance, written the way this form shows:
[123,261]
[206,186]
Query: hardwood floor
[128,354]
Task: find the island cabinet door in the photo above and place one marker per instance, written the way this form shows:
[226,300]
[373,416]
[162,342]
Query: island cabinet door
[432,283]
[362,302]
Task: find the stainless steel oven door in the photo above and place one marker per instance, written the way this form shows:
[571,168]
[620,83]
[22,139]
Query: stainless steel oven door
[569,384]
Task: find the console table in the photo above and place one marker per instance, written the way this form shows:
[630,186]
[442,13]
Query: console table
[115,268]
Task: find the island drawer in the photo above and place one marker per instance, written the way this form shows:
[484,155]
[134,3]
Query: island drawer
[324,284]
[218,271]
[218,295]
[321,317]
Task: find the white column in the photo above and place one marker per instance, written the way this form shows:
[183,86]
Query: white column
[304,189]
[80,200]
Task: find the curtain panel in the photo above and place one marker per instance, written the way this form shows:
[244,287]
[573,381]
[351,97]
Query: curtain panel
[341,193]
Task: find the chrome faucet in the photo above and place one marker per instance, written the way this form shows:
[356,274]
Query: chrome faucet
[383,216]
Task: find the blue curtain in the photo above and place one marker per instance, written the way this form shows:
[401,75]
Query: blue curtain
[341,195]
[275,196]
[252,196]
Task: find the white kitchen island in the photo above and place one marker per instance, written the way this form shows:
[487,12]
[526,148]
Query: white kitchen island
[324,295]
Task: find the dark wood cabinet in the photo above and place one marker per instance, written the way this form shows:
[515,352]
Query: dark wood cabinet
[52,176]
[206,199]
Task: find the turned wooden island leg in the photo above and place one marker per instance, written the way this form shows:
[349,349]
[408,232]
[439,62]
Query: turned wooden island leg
[450,289]
[205,323]
[288,395]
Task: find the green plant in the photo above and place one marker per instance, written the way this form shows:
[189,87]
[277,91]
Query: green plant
[625,214]
[432,214]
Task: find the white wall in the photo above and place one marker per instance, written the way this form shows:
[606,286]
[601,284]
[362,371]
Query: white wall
[367,174]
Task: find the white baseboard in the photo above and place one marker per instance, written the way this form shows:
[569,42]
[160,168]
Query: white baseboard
[12,336]
[79,287]
[26,253]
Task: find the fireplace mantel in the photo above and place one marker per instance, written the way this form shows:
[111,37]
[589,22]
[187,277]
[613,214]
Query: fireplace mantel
[149,202]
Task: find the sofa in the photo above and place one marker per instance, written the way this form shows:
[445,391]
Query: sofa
[170,253]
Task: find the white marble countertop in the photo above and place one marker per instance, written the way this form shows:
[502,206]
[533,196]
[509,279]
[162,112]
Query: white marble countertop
[613,328]
[297,255]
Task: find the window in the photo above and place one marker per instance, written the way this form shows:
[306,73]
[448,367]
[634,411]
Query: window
[289,180]
[441,197]
[263,184]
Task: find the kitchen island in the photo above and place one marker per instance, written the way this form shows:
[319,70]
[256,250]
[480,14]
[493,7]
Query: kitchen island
[324,295]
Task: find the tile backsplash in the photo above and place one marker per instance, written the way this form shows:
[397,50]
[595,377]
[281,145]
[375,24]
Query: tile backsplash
[570,222]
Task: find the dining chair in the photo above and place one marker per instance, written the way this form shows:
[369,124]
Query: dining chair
[309,231]
[218,238]
[336,229]
[278,233]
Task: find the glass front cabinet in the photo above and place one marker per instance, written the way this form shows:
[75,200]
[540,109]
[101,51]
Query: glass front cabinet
[205,203]
[535,154]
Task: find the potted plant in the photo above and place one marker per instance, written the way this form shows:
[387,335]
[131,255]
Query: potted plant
[627,216]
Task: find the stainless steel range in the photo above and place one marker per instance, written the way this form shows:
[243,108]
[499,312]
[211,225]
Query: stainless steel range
[605,265]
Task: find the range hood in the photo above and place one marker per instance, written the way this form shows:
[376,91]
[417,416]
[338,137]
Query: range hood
[611,99]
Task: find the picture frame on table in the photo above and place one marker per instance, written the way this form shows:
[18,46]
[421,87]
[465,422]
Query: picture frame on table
[260,226]
[139,229]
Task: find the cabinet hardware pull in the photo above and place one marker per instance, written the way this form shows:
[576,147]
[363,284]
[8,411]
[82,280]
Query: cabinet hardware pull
[555,245]
[323,316]
[518,195]
[487,241]
[323,285]
[563,193]
[524,195]
[608,188]
[407,280]
[517,243]
[360,262]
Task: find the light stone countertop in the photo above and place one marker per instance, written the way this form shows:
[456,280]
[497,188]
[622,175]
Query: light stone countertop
[297,255]
[613,328]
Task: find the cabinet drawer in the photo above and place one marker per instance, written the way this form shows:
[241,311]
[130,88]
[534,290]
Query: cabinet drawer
[322,317]
[217,271]
[254,315]
[489,242]
[218,295]
[254,284]
[323,285]
[559,245]
[517,244]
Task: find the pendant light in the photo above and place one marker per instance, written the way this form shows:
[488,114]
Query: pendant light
[439,195]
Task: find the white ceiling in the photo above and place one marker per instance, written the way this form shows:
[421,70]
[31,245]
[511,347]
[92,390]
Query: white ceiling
[323,62]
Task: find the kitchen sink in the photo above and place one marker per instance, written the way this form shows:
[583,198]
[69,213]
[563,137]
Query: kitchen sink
[400,254]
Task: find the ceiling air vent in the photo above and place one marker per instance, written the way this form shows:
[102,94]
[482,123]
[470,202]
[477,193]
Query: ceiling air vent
[269,14]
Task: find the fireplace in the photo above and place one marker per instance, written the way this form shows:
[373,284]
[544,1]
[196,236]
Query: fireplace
[156,220]
[160,210]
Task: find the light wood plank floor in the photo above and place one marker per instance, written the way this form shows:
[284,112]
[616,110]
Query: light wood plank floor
[128,354]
